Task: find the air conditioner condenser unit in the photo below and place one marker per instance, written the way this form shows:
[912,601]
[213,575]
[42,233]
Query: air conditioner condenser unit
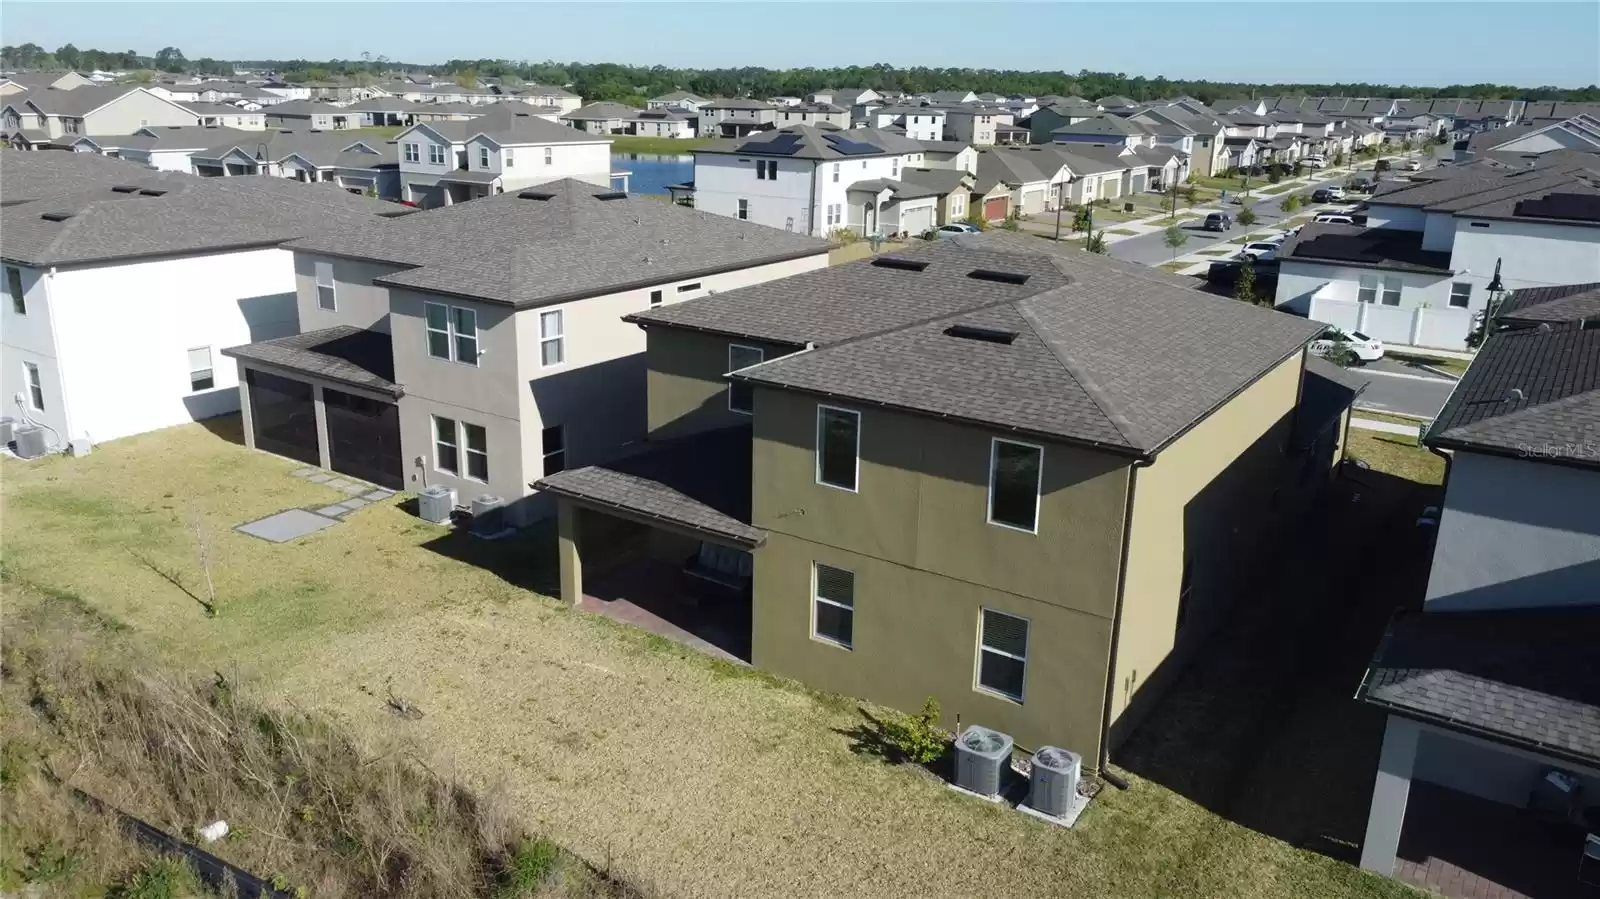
[982,756]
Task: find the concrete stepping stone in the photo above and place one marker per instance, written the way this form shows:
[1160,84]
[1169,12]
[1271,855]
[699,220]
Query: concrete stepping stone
[332,511]
[303,472]
[354,489]
[378,496]
[287,525]
[353,504]
[320,477]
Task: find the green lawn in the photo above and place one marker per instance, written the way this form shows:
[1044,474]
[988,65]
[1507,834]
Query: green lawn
[386,132]
[859,249]
[1175,266]
[1213,252]
[665,146]
[1395,454]
[758,782]
[1125,232]
[1279,188]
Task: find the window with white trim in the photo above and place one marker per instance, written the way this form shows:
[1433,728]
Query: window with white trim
[838,447]
[483,157]
[552,338]
[741,396]
[412,154]
[19,302]
[1014,471]
[1391,291]
[326,293]
[476,440]
[201,376]
[833,604]
[549,157]
[1460,294]
[452,332]
[1002,654]
[446,446]
[691,287]
[1367,291]
[30,376]
[553,442]
[836,173]
[744,209]
[511,157]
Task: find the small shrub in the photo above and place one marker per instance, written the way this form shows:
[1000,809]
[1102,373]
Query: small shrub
[1012,222]
[1082,219]
[1097,243]
[1273,177]
[843,236]
[918,738]
[976,220]
[160,878]
[1247,216]
[1291,202]
[529,868]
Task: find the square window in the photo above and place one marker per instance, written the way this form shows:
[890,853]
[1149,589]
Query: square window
[552,338]
[1391,291]
[1461,294]
[1367,292]
[1014,470]
[446,449]
[436,318]
[838,447]
[511,158]
[655,297]
[200,374]
[30,374]
[326,298]
[1003,654]
[833,604]
[554,443]
[477,446]
[548,159]
[741,396]
[19,302]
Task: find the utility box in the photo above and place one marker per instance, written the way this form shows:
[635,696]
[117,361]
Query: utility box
[982,755]
[434,504]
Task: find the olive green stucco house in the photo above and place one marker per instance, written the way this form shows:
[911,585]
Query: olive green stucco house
[1020,481]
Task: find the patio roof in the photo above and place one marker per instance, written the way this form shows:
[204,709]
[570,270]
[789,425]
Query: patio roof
[1528,678]
[343,354]
[463,176]
[699,483]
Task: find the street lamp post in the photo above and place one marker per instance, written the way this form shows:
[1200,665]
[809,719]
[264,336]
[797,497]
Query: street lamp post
[1497,295]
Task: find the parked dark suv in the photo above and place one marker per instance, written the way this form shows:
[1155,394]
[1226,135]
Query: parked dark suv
[1218,221]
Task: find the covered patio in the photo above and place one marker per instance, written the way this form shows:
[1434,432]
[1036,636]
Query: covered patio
[325,398]
[1488,781]
[462,185]
[662,539]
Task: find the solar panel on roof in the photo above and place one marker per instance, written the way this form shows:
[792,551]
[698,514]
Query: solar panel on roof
[1574,207]
[850,147]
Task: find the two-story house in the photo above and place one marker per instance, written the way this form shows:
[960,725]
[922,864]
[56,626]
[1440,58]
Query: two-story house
[417,364]
[311,156]
[604,117]
[813,114]
[124,284]
[167,149]
[222,115]
[1492,689]
[735,117]
[442,163]
[973,470]
[975,125]
[1422,272]
[684,100]
[311,114]
[924,123]
[798,178]
[46,116]
[673,123]
[544,95]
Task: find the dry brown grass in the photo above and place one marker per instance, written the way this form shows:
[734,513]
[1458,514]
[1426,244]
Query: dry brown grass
[645,759]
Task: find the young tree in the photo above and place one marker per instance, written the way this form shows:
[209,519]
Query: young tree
[467,78]
[1247,216]
[1291,202]
[1174,237]
[1097,243]
[1081,219]
[1244,289]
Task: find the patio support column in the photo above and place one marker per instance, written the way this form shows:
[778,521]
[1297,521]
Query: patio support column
[1389,793]
[324,458]
[245,420]
[569,552]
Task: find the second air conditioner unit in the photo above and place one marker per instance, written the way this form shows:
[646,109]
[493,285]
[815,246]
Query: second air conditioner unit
[1054,781]
[982,755]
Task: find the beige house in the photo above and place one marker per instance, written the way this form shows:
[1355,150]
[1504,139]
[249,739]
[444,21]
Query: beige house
[53,114]
[974,470]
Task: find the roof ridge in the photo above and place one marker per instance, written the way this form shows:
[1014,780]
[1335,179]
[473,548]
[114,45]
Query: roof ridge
[1091,387]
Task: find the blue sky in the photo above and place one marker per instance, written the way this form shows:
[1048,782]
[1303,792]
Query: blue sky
[1283,40]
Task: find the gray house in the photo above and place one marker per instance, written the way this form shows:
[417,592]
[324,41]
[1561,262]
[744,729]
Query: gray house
[1492,690]
[481,346]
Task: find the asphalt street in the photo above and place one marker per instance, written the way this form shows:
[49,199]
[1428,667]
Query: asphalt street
[1395,387]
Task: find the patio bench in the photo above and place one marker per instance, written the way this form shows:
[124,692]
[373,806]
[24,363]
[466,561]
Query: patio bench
[720,565]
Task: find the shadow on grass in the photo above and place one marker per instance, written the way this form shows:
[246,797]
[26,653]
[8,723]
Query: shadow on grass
[1261,728]
[525,559]
[228,427]
[870,738]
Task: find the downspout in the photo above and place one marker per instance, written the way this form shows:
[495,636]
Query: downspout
[811,213]
[1104,765]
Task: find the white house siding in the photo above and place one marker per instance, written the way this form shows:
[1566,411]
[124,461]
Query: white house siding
[1424,317]
[1491,771]
[32,338]
[1405,218]
[1517,533]
[1032,198]
[1438,231]
[1534,254]
[124,332]
[585,162]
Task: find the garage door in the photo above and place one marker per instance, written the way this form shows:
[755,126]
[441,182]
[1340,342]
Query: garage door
[283,416]
[359,184]
[419,193]
[916,220]
[1032,201]
[1110,188]
[1139,182]
[995,210]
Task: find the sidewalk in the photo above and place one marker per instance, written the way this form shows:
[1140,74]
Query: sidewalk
[1387,427]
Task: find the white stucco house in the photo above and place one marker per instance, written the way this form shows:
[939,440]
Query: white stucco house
[442,163]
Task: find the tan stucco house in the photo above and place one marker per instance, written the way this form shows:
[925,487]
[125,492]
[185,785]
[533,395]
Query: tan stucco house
[1016,480]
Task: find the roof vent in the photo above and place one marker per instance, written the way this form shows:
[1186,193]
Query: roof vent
[612,195]
[152,192]
[55,216]
[987,335]
[535,195]
[124,188]
[1515,395]
[908,265]
[989,274]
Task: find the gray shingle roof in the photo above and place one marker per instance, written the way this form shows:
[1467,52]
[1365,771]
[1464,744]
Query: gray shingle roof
[1529,678]
[1102,124]
[572,244]
[1108,353]
[1531,387]
[344,354]
[28,175]
[737,103]
[192,215]
[1561,304]
[320,148]
[816,142]
[79,100]
[602,111]
[701,481]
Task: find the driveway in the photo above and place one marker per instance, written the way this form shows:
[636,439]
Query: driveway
[1151,249]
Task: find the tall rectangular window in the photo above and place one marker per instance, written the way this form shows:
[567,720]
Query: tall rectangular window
[1461,294]
[19,303]
[838,447]
[511,157]
[833,604]
[741,396]
[761,170]
[1014,470]
[1391,291]
[464,329]
[552,338]
[744,209]
[446,446]
[836,173]
[436,154]
[476,441]
[1367,292]
[30,374]
[326,298]
[200,374]
[483,157]
[1002,654]
[548,156]
[436,318]
[554,442]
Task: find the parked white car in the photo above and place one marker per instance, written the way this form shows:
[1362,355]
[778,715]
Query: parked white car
[1315,162]
[1333,218]
[1412,165]
[1367,349]
[1262,250]
[956,229]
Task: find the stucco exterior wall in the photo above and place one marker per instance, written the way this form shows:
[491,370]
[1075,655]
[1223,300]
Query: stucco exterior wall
[135,110]
[357,301]
[32,337]
[686,391]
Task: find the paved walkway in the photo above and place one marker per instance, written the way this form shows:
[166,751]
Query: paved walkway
[292,524]
[1387,427]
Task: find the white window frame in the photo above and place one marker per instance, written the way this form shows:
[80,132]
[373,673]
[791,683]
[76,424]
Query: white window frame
[559,338]
[467,452]
[483,157]
[442,152]
[1397,293]
[451,333]
[977,662]
[742,210]
[511,157]
[14,288]
[836,173]
[209,368]
[1367,289]
[455,437]
[1038,484]
[657,297]
[817,597]
[761,355]
[320,269]
[413,153]
[549,156]
[35,381]
[817,448]
[1465,295]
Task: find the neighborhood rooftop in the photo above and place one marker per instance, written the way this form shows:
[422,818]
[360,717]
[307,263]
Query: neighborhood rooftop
[817,142]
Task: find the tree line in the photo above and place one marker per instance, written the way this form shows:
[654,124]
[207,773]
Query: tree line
[633,84]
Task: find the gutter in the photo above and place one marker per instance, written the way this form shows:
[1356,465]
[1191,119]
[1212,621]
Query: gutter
[1104,763]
